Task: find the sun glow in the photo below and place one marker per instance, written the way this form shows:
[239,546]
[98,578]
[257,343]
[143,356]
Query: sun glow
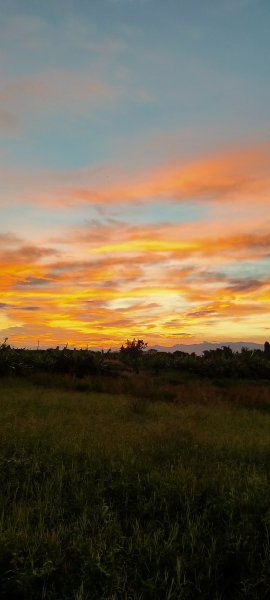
[144,246]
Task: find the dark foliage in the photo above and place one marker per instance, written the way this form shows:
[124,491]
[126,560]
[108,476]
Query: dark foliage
[134,356]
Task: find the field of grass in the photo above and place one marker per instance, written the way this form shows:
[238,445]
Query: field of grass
[112,496]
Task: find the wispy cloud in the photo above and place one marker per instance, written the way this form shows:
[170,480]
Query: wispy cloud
[53,92]
[9,124]
[237,175]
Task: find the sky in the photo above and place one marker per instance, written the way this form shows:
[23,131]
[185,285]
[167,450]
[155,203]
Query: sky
[134,171]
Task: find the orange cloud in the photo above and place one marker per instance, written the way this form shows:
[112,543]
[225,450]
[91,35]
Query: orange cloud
[155,282]
[240,174]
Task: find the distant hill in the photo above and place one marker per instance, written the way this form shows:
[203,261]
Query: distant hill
[199,348]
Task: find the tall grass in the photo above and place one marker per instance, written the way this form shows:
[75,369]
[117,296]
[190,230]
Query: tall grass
[105,498]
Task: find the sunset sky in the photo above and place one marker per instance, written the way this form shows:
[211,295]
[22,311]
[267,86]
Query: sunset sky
[134,171]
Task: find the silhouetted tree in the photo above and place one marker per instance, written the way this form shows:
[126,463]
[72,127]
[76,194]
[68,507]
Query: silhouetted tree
[132,352]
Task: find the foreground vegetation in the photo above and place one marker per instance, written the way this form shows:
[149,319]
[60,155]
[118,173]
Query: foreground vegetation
[120,496]
[219,363]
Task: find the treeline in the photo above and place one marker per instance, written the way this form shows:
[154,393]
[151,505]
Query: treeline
[134,357]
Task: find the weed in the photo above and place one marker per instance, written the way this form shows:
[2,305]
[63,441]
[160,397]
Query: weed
[100,501]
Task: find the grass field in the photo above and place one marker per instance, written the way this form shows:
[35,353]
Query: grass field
[109,496]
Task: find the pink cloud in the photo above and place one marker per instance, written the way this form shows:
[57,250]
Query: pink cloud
[9,123]
[52,91]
